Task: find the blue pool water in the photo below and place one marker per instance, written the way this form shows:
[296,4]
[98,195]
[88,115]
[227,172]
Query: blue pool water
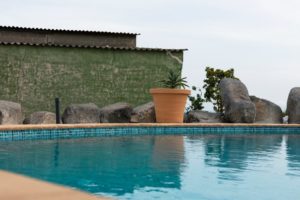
[206,166]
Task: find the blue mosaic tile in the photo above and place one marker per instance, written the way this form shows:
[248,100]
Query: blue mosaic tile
[13,135]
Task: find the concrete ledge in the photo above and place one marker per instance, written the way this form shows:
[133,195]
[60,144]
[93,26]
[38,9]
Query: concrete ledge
[17,187]
[111,125]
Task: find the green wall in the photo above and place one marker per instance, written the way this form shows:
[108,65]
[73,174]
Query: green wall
[34,75]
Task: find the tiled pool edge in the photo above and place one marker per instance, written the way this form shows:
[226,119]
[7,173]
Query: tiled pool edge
[62,131]
[106,125]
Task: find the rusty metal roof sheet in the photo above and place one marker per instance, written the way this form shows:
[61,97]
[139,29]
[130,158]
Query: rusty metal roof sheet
[64,30]
[91,46]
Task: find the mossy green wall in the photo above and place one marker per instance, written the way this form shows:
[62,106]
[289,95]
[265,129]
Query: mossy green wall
[34,76]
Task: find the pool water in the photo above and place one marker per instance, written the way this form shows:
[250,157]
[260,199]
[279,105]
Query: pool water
[212,167]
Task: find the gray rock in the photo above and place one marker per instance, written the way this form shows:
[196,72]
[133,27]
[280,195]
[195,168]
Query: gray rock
[266,111]
[199,116]
[144,113]
[293,106]
[10,113]
[236,100]
[285,119]
[81,113]
[41,117]
[116,113]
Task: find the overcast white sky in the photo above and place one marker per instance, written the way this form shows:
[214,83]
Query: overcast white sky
[260,39]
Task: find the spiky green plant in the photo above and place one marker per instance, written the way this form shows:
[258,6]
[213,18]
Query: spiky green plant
[174,80]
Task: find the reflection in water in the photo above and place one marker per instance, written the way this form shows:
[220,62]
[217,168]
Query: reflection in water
[165,167]
[108,165]
[293,154]
[231,154]
[56,154]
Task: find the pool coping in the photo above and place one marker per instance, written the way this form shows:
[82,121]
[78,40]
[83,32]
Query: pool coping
[16,186]
[127,125]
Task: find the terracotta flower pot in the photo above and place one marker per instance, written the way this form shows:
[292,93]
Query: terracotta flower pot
[169,104]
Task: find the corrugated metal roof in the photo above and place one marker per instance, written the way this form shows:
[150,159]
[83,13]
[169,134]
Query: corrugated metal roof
[64,30]
[93,47]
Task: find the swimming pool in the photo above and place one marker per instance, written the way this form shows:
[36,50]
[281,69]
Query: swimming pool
[183,164]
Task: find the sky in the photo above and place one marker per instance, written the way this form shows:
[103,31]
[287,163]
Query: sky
[260,39]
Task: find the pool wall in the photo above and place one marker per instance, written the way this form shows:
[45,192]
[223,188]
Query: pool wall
[32,132]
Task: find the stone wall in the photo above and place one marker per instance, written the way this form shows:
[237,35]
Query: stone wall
[35,75]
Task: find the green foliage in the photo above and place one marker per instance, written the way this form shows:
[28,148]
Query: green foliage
[196,101]
[174,80]
[211,82]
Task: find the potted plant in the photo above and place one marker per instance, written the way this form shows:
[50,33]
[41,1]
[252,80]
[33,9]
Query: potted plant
[170,101]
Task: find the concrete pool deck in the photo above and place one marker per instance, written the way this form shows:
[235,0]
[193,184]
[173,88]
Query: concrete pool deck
[111,125]
[18,187]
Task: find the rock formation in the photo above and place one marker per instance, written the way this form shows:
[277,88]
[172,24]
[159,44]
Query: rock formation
[266,111]
[81,113]
[10,113]
[116,113]
[143,114]
[199,116]
[41,117]
[236,100]
[293,106]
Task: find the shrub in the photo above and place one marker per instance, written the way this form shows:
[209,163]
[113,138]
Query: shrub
[211,82]
[196,101]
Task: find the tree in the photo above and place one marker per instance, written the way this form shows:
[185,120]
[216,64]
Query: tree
[211,83]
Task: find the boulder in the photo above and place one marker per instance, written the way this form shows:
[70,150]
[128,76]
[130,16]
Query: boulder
[41,117]
[293,106]
[236,100]
[143,114]
[285,119]
[10,113]
[266,111]
[116,113]
[81,113]
[199,116]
